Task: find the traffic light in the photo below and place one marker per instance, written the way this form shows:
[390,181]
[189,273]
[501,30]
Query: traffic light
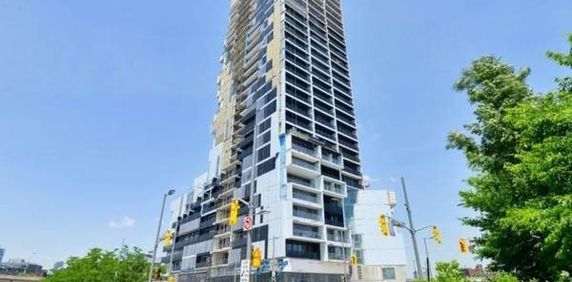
[234,207]
[256,258]
[354,259]
[437,235]
[464,246]
[383,225]
[168,238]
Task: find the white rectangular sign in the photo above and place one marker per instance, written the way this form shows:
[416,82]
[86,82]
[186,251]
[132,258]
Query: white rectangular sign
[245,270]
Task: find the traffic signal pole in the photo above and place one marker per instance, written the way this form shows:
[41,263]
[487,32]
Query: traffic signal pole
[412,227]
[251,197]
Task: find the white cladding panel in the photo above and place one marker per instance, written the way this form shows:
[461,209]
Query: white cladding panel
[377,249]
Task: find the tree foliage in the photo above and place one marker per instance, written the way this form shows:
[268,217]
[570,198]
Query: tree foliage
[449,272]
[124,265]
[520,147]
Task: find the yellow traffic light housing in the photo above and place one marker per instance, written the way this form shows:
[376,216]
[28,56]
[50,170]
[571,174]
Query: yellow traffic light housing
[234,208]
[168,238]
[437,235]
[464,246]
[383,225]
[354,259]
[256,258]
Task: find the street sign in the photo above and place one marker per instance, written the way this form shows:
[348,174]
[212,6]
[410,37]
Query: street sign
[245,270]
[247,223]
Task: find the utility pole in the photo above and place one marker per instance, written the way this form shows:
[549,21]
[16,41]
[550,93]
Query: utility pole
[412,227]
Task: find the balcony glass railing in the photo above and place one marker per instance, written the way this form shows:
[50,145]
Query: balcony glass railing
[349,144]
[203,264]
[352,170]
[301,181]
[304,196]
[305,150]
[332,158]
[305,214]
[307,234]
[223,244]
[334,187]
[336,256]
[336,238]
[305,164]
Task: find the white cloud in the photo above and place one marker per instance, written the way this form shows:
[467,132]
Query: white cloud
[124,222]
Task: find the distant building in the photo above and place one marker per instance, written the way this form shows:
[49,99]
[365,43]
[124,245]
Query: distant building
[478,271]
[2,251]
[20,266]
[379,258]
[59,265]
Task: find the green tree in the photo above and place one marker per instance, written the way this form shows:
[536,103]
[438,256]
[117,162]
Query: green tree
[520,147]
[124,265]
[449,272]
[503,277]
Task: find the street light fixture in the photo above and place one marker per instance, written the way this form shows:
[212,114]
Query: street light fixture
[169,193]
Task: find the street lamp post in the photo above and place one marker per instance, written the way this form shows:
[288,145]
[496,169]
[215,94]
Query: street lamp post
[427,255]
[411,227]
[169,193]
[175,235]
[413,233]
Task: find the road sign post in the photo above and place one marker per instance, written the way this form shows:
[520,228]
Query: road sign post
[245,270]
[247,223]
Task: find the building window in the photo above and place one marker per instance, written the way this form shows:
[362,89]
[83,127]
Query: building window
[266,167]
[296,249]
[388,273]
[264,153]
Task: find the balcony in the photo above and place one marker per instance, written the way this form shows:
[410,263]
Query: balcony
[348,132]
[337,236]
[352,171]
[305,164]
[306,213]
[305,150]
[350,145]
[222,244]
[305,198]
[334,187]
[306,231]
[301,181]
[337,253]
[335,159]
[203,264]
[333,208]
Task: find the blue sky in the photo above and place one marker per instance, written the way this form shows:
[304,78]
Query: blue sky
[105,105]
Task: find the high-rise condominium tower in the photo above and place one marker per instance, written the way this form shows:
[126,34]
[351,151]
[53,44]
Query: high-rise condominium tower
[286,128]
